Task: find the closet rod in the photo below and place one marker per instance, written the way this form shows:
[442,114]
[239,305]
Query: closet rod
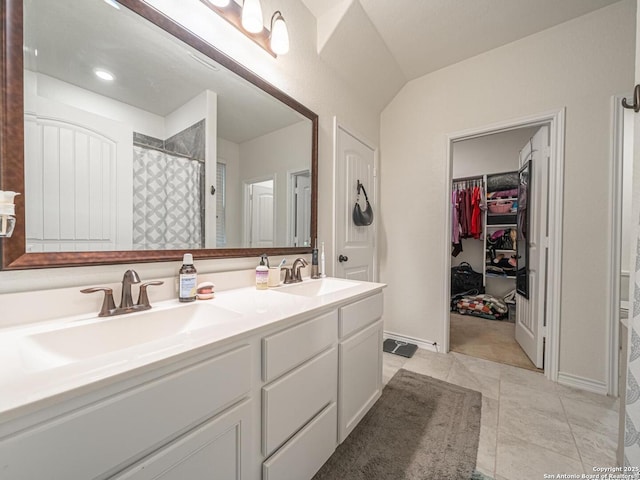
[465,179]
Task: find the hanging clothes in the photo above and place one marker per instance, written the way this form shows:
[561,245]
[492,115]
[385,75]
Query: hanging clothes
[476,213]
[455,222]
[467,205]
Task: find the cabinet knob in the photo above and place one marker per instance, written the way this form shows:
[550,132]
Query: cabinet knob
[343,258]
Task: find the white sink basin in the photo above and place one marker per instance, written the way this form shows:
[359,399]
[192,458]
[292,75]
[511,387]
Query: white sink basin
[92,338]
[317,288]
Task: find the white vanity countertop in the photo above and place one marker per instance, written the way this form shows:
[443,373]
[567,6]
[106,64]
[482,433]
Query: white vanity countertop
[32,377]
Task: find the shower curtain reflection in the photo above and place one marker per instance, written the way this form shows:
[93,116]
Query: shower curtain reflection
[167,201]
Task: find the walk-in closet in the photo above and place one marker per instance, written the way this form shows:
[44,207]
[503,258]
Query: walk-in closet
[486,229]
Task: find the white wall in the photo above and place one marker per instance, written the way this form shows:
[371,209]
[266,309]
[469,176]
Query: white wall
[489,154]
[229,154]
[301,73]
[53,89]
[285,150]
[578,65]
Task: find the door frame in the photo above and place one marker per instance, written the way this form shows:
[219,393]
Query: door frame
[556,121]
[615,242]
[292,175]
[339,125]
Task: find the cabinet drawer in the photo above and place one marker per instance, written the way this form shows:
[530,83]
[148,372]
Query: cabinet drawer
[306,452]
[360,314]
[217,449]
[112,432]
[289,348]
[290,402]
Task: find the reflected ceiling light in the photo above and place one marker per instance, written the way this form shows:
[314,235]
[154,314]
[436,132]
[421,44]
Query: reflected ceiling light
[279,40]
[220,3]
[248,19]
[113,3]
[103,74]
[252,16]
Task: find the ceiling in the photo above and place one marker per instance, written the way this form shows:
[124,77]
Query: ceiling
[395,41]
[158,75]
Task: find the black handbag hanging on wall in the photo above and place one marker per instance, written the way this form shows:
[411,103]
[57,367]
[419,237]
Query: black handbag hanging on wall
[362,218]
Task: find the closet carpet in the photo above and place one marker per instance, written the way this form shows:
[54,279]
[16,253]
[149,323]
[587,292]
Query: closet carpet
[489,339]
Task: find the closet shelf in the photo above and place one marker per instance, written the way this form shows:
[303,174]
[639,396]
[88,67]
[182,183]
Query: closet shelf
[494,222]
[507,199]
[495,275]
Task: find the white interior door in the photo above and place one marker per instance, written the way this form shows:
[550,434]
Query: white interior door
[261,201]
[530,312]
[78,179]
[355,246]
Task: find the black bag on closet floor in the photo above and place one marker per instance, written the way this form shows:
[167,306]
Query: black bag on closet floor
[464,279]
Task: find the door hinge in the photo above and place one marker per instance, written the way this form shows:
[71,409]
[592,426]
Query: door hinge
[375,172]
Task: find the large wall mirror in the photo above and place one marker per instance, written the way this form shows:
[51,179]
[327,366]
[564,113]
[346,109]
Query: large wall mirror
[133,140]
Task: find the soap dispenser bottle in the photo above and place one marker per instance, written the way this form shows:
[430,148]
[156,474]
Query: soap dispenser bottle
[188,279]
[262,273]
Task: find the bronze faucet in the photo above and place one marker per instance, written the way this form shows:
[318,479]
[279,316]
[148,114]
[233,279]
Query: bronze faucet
[130,277]
[293,275]
[109,309]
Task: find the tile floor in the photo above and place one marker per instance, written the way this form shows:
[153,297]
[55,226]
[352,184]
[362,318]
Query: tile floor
[530,426]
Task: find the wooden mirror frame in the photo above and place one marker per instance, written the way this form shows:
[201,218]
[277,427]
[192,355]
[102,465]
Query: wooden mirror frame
[13,250]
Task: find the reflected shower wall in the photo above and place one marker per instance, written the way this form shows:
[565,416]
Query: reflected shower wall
[168,190]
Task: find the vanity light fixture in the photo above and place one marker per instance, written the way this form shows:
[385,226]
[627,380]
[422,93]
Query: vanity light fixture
[252,20]
[249,20]
[113,3]
[279,40]
[103,74]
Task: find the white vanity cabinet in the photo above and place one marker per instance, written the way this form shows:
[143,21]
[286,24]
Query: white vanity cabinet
[108,430]
[246,400]
[215,450]
[299,410]
[360,360]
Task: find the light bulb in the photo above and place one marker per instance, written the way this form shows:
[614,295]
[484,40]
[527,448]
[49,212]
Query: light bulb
[220,3]
[252,16]
[113,3]
[104,75]
[279,35]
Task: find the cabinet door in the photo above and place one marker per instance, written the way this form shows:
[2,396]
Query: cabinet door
[360,377]
[219,449]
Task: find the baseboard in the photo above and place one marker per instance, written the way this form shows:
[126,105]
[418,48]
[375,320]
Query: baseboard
[582,383]
[424,344]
